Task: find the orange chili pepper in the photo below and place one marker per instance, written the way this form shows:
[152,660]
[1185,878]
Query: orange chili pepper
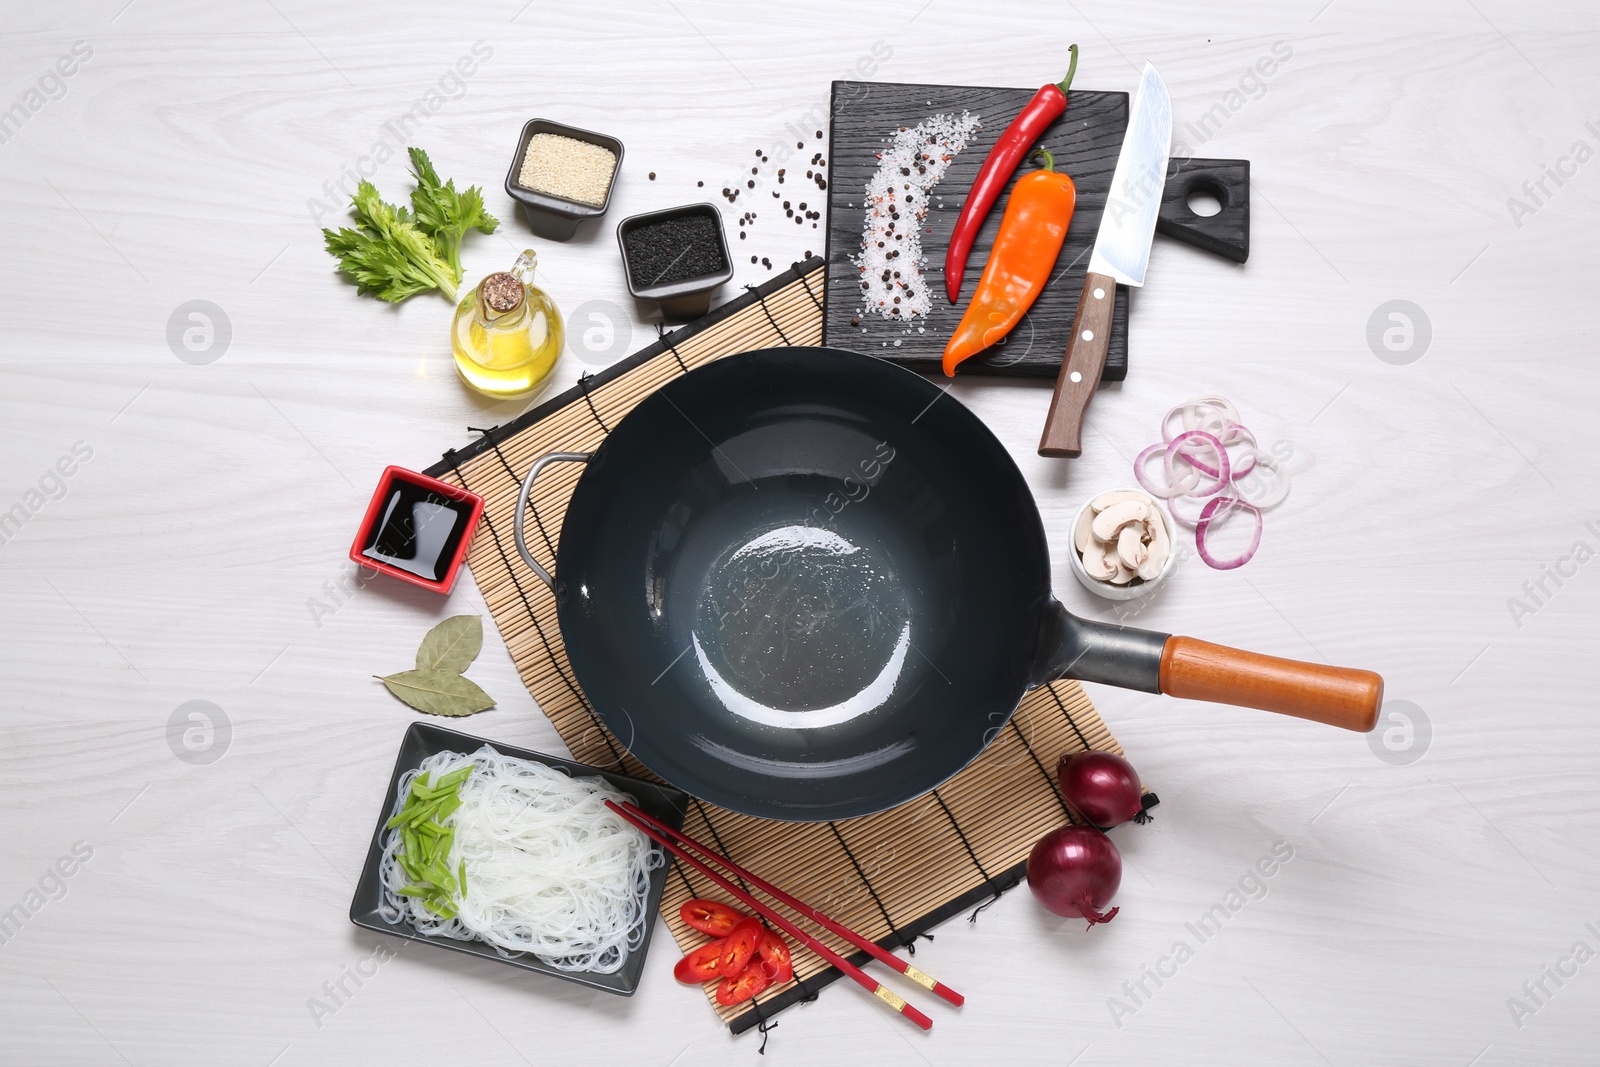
[1031,232]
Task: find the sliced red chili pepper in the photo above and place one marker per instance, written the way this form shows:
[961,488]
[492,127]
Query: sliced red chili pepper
[702,965]
[740,947]
[711,917]
[746,984]
[1047,105]
[773,957]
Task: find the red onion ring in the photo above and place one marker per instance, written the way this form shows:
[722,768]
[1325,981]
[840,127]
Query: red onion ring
[1208,516]
[1229,434]
[1168,491]
[1192,521]
[1280,480]
[1193,416]
[1223,473]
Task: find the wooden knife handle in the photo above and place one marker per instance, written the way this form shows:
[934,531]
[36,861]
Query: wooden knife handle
[1081,368]
[1337,696]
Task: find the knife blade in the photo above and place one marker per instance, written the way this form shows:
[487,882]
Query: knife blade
[1120,256]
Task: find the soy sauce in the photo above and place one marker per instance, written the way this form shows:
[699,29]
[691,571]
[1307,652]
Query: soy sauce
[418,531]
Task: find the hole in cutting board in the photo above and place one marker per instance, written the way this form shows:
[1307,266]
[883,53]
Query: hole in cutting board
[1204,202]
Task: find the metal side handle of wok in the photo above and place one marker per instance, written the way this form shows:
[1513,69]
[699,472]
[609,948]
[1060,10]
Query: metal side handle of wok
[1199,670]
[522,507]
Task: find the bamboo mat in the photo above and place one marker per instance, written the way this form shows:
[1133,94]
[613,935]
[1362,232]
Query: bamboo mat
[891,876]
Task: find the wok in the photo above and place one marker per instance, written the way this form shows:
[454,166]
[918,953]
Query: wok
[805,584]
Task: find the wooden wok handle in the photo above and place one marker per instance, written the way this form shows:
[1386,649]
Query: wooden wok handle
[1337,696]
[1081,367]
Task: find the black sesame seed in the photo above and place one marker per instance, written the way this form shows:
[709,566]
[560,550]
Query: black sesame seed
[673,250]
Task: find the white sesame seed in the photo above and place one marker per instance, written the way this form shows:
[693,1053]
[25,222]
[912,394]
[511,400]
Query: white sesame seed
[568,168]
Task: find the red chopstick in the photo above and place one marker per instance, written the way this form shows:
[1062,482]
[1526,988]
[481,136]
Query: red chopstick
[877,952]
[850,970]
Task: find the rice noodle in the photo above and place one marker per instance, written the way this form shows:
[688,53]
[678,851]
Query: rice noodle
[549,868]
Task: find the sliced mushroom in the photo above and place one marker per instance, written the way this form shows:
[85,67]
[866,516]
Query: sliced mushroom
[1160,549]
[1109,523]
[1115,496]
[1097,564]
[1124,575]
[1082,535]
[1131,549]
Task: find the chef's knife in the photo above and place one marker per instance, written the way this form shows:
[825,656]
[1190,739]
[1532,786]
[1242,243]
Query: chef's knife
[1121,254]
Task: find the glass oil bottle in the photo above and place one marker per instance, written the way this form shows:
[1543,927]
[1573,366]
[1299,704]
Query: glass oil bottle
[507,333]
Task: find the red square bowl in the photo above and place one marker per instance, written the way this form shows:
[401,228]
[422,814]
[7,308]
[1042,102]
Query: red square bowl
[417,529]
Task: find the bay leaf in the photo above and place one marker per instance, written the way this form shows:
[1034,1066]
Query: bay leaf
[452,645]
[438,692]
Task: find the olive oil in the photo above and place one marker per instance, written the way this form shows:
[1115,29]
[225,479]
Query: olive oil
[507,333]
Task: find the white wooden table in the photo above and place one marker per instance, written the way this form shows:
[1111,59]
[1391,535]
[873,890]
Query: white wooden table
[196,549]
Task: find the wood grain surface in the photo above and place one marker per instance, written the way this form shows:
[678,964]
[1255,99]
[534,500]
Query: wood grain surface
[1421,878]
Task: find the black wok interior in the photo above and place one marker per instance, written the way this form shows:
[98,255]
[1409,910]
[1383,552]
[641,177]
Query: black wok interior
[803,584]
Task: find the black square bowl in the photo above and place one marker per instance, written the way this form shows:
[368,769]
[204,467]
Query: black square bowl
[554,217]
[690,298]
[421,741]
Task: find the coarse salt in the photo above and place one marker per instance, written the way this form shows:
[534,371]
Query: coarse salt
[891,260]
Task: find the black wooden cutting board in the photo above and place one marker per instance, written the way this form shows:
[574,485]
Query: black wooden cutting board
[1085,142]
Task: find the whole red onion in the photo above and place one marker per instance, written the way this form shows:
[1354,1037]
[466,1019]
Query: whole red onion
[1102,787]
[1075,871]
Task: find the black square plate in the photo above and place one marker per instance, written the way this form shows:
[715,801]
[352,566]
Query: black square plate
[421,741]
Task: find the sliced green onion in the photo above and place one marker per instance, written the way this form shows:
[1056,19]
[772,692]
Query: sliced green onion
[426,840]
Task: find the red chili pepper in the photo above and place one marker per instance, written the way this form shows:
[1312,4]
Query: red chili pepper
[1047,105]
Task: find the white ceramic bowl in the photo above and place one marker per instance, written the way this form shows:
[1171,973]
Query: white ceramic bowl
[1139,586]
